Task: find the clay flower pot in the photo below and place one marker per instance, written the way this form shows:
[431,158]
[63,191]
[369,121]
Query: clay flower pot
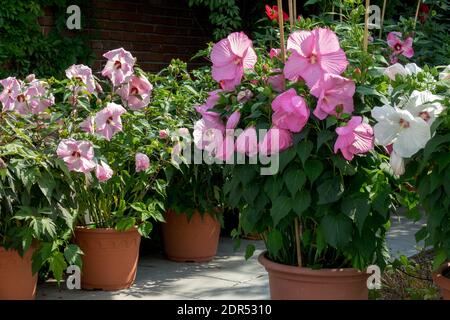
[294,283]
[110,257]
[17,281]
[195,240]
[442,280]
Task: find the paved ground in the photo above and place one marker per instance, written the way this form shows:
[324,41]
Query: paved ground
[228,276]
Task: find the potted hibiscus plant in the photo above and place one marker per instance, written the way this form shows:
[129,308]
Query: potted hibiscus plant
[194,203]
[300,159]
[35,222]
[415,126]
[112,149]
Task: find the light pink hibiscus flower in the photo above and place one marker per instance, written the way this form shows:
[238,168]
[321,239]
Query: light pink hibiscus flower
[290,111]
[275,141]
[400,47]
[88,125]
[119,67]
[314,53]
[142,162]
[84,74]
[136,93]
[335,96]
[225,148]
[354,138]
[11,89]
[247,142]
[230,57]
[35,99]
[103,172]
[211,101]
[108,122]
[208,135]
[77,155]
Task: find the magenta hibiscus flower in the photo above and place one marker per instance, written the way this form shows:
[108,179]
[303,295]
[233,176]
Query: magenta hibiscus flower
[314,53]
[230,57]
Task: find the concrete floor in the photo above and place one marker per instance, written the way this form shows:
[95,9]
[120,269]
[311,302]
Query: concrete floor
[227,277]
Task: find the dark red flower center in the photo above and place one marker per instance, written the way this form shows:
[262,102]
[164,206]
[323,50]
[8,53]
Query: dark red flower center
[117,64]
[21,98]
[398,47]
[134,91]
[312,58]
[76,154]
[109,120]
[404,124]
[425,115]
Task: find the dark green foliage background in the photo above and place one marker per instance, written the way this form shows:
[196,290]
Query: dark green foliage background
[23,47]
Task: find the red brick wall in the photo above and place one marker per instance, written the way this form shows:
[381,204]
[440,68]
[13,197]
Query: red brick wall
[154,31]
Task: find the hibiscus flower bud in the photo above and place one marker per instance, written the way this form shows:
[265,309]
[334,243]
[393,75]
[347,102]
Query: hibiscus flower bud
[30,77]
[2,164]
[163,134]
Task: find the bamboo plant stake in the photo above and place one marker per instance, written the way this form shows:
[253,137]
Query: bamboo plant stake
[340,11]
[281,26]
[382,18]
[417,13]
[291,13]
[295,9]
[366,27]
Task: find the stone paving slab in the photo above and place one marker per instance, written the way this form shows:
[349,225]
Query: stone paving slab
[228,276]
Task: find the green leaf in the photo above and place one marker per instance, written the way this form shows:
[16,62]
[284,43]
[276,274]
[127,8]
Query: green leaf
[273,187]
[310,2]
[439,259]
[301,202]
[145,228]
[125,223]
[294,180]
[323,137]
[421,234]
[274,242]
[337,229]
[313,169]
[356,209]
[73,253]
[47,185]
[304,149]
[285,158]
[281,207]
[330,190]
[57,265]
[249,251]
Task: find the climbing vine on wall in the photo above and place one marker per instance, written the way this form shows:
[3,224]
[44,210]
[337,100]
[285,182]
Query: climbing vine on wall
[25,49]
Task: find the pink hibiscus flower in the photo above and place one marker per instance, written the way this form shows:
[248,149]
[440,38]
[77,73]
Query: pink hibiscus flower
[108,122]
[119,67]
[88,125]
[103,172]
[208,135]
[82,73]
[275,141]
[400,47]
[277,81]
[211,101]
[274,53]
[354,138]
[314,53]
[11,89]
[290,111]
[247,142]
[136,93]
[230,57]
[142,162]
[335,96]
[77,155]
[35,99]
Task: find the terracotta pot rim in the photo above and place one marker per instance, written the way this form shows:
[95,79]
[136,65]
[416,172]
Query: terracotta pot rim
[324,272]
[439,278]
[104,230]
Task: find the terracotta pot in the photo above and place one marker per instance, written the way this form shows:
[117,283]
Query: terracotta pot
[110,257]
[17,281]
[294,283]
[195,240]
[441,279]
